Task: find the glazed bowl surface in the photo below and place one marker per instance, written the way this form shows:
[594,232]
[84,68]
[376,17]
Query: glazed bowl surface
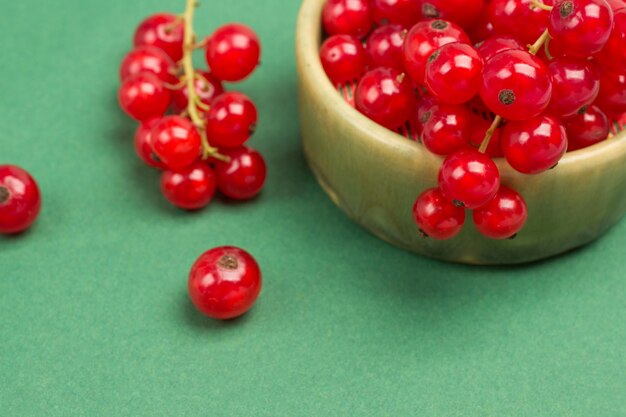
[375,175]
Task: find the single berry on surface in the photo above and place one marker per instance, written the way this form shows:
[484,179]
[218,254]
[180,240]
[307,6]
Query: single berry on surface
[243,176]
[189,188]
[224,282]
[385,96]
[143,96]
[503,217]
[347,17]
[233,52]
[175,141]
[231,120]
[436,216]
[164,31]
[425,38]
[344,59]
[20,200]
[535,145]
[453,73]
[469,179]
[516,85]
[148,59]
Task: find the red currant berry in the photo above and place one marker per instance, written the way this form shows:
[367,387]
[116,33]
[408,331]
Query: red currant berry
[587,128]
[143,96]
[482,28]
[175,141]
[613,55]
[231,120]
[453,73]
[189,188]
[580,28]
[148,59]
[469,179]
[224,282]
[535,145]
[447,128]
[423,110]
[436,216]
[384,47]
[519,19]
[20,200]
[575,84]
[164,31]
[612,96]
[143,144]
[424,39]
[496,44]
[464,13]
[347,17]
[503,217]
[207,88]
[402,12]
[385,96]
[478,131]
[233,52]
[478,106]
[243,177]
[343,58]
[516,85]
[616,4]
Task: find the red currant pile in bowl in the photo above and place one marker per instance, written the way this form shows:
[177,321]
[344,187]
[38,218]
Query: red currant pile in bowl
[506,108]
[190,127]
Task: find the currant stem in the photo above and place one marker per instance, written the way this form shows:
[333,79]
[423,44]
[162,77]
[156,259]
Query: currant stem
[201,44]
[202,106]
[189,75]
[540,5]
[546,49]
[489,134]
[535,47]
[182,83]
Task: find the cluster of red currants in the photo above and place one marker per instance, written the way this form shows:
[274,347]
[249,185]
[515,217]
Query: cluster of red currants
[190,127]
[195,131]
[474,80]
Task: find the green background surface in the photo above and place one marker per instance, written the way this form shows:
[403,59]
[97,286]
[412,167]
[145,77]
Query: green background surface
[94,314]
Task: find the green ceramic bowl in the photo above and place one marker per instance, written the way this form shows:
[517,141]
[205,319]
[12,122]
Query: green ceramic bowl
[375,175]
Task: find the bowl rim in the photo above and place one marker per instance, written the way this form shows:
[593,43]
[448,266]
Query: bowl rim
[308,39]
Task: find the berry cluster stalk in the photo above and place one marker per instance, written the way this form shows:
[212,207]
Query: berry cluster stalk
[540,5]
[532,49]
[190,78]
